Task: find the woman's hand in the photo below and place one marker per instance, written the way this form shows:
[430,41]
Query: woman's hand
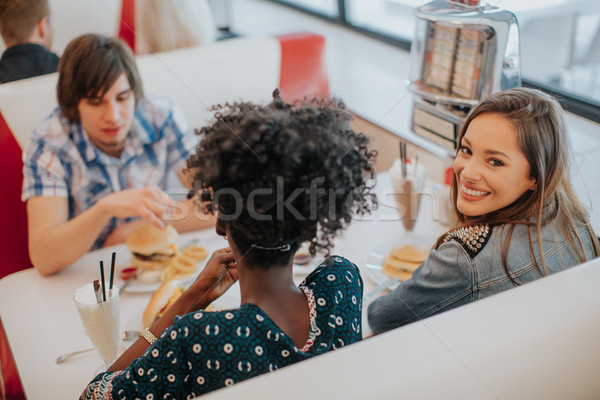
[216,278]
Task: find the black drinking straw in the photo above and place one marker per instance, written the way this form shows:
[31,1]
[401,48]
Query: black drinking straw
[403,158]
[112,273]
[102,281]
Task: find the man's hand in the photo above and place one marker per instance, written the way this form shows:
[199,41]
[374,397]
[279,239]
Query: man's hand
[150,203]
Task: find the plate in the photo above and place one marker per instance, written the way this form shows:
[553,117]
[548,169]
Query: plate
[207,240]
[136,286]
[374,261]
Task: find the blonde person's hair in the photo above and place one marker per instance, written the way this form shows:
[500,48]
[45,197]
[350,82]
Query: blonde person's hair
[163,25]
[18,18]
[541,134]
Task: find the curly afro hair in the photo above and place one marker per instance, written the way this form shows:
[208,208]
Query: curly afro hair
[282,174]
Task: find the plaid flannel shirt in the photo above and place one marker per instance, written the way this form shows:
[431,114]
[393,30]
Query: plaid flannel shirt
[60,160]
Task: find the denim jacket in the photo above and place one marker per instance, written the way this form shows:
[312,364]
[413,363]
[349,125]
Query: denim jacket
[459,272]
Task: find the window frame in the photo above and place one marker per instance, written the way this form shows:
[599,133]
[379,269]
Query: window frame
[571,102]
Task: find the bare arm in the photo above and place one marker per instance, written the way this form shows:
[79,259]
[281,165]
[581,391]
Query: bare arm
[216,278]
[186,217]
[49,230]
[55,241]
[183,216]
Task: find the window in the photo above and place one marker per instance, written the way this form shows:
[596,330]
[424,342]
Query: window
[559,39]
[324,7]
[387,17]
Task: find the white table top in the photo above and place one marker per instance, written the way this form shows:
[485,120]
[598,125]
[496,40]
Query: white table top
[41,320]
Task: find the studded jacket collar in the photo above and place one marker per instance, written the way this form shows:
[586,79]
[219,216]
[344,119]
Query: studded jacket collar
[472,238]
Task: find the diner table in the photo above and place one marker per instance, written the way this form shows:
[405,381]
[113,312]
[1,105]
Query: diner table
[42,322]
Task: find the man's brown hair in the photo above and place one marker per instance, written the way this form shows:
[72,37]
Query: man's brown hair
[89,67]
[18,18]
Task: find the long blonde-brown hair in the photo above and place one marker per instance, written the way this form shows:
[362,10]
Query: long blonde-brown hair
[541,133]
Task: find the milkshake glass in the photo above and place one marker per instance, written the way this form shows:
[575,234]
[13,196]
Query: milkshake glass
[100,320]
[407,191]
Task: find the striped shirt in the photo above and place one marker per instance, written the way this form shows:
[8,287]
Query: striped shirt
[61,161]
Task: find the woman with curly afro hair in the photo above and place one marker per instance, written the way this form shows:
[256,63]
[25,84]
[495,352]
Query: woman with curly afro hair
[276,175]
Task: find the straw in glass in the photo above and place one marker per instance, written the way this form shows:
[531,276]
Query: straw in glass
[102,281]
[112,273]
[403,158]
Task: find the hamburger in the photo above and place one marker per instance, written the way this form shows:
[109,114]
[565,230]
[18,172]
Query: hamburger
[163,298]
[152,248]
[403,261]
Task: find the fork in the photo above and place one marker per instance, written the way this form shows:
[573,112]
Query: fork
[127,282]
[125,335]
[62,358]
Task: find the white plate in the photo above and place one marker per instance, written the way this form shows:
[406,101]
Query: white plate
[374,262]
[208,240]
[140,287]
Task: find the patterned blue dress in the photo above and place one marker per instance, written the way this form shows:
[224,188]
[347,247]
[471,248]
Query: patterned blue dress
[204,351]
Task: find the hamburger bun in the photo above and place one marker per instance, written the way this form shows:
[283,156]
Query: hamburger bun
[403,261]
[161,300]
[410,253]
[396,273]
[401,265]
[152,248]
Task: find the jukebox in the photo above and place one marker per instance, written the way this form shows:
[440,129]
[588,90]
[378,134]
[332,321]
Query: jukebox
[461,53]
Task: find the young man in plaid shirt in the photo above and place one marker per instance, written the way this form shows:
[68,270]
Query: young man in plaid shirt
[97,167]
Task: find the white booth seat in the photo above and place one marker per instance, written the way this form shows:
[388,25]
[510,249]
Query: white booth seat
[195,78]
[537,341]
[71,18]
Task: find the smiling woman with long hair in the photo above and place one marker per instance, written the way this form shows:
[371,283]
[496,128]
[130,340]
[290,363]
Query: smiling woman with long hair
[519,216]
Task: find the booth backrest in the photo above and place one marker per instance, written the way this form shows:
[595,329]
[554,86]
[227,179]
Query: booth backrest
[303,71]
[71,18]
[537,341]
[195,78]
[13,236]
[127,23]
